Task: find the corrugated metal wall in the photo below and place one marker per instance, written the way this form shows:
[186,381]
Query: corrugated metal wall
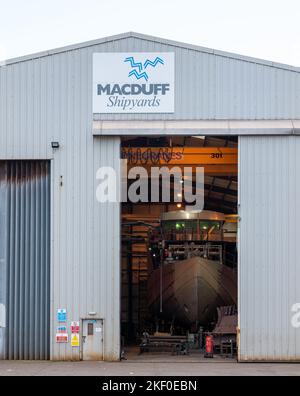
[50,99]
[86,244]
[25,259]
[3,271]
[269,270]
[52,95]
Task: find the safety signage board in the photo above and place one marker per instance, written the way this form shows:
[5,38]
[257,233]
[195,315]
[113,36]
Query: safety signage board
[62,338]
[62,330]
[62,315]
[75,327]
[75,340]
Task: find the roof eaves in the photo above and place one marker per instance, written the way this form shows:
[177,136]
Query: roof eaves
[156,40]
[67,48]
[224,54]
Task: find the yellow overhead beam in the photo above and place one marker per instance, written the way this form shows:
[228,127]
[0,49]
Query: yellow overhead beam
[164,156]
[213,170]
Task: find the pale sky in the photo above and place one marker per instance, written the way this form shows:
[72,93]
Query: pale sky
[268,29]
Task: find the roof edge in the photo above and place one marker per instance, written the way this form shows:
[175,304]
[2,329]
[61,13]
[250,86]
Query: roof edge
[66,48]
[146,37]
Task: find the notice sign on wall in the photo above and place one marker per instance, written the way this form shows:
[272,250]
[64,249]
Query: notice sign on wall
[133,82]
[75,340]
[61,315]
[75,329]
[62,330]
[62,338]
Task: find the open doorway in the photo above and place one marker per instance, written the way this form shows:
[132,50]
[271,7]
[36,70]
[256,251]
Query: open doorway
[179,266]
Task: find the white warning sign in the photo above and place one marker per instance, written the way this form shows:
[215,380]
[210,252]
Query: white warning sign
[62,338]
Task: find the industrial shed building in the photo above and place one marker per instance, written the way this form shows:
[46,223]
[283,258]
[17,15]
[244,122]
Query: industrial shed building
[60,248]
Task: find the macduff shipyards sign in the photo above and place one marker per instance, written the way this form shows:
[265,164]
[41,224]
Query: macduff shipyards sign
[133,83]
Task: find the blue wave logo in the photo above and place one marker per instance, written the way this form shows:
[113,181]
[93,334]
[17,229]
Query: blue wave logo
[139,69]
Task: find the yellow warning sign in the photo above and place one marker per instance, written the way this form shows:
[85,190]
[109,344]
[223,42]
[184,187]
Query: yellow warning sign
[75,340]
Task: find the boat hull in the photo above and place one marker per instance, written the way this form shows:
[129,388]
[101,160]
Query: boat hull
[191,290]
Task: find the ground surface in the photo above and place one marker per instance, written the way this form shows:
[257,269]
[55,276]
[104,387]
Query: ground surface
[148,365]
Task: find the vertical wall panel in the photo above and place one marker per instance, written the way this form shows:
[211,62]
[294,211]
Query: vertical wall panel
[86,248]
[269,270]
[25,259]
[3,267]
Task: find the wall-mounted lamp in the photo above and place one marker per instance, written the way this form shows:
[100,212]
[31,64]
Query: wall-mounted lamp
[55,145]
[92,313]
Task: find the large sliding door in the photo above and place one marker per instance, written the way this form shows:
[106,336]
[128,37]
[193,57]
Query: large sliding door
[269,260]
[25,260]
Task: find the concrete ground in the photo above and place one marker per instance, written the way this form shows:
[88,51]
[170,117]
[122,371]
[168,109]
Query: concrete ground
[150,365]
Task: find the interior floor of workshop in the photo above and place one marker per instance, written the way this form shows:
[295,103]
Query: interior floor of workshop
[132,354]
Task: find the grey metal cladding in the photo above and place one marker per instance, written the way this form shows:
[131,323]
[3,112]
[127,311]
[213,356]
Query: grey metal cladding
[269,270]
[25,259]
[209,85]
